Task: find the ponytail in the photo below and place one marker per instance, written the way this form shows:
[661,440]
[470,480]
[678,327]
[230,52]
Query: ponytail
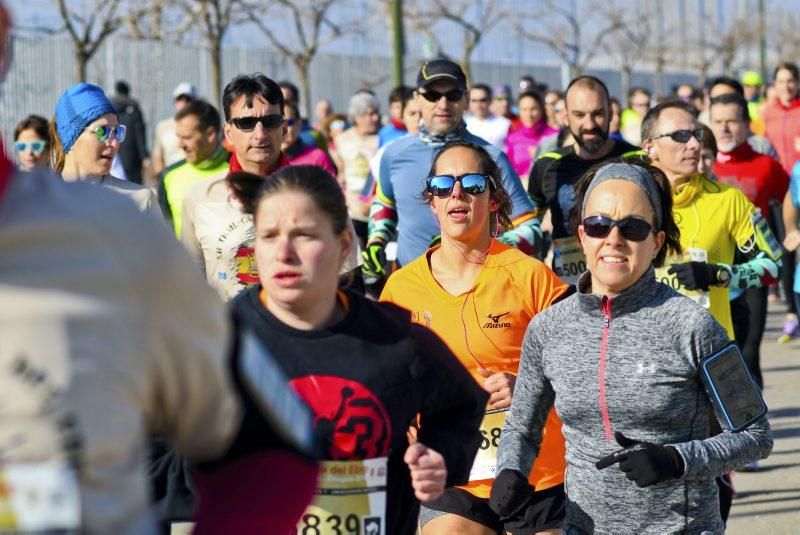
[57,155]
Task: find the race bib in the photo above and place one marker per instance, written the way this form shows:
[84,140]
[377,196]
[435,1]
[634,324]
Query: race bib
[690,255]
[485,464]
[350,499]
[39,497]
[568,259]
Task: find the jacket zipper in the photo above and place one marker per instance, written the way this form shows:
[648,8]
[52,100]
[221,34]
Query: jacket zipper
[601,373]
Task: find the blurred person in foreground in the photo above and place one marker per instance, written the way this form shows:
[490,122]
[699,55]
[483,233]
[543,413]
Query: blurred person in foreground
[32,143]
[107,338]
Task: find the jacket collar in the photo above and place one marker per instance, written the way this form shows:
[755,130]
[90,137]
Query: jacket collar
[640,294]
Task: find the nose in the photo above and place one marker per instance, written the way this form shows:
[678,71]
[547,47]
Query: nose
[693,143]
[458,192]
[284,249]
[614,237]
[259,131]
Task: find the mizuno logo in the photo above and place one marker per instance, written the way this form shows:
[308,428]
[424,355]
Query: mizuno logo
[495,321]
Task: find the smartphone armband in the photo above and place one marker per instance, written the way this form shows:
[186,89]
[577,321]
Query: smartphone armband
[732,390]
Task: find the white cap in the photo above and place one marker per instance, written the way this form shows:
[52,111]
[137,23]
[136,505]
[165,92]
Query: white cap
[184,88]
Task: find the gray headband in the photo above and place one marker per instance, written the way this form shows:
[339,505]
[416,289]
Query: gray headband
[632,173]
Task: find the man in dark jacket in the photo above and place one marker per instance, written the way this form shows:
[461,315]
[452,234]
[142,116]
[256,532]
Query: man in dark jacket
[133,152]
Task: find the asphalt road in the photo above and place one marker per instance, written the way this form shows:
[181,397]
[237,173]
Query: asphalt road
[768,501]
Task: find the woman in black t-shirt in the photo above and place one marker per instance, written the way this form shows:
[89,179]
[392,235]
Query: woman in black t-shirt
[364,369]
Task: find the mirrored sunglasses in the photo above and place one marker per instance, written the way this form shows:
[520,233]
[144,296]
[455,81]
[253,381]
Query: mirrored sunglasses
[472,183]
[103,133]
[36,147]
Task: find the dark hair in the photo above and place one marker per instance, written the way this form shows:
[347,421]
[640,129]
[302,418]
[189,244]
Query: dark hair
[709,140]
[789,66]
[732,98]
[535,95]
[488,167]
[312,180]
[37,124]
[408,96]
[733,83]
[122,88]
[672,240]
[286,84]
[207,115]
[654,113]
[590,82]
[637,89]
[398,94]
[250,86]
[483,87]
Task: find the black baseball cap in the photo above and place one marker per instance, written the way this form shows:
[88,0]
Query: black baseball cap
[441,69]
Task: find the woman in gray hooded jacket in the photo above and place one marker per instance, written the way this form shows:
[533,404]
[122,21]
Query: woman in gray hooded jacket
[620,359]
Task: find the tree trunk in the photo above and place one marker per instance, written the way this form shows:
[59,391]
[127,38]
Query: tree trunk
[658,81]
[82,63]
[398,42]
[305,86]
[216,73]
[625,79]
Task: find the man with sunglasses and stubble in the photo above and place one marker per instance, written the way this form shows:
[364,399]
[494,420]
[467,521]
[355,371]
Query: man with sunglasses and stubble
[442,96]
[215,228]
[716,220]
[555,173]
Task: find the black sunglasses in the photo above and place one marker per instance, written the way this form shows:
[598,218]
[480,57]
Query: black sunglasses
[246,124]
[683,136]
[454,95]
[472,183]
[631,228]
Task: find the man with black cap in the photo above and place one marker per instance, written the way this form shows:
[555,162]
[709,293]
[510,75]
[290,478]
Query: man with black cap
[441,93]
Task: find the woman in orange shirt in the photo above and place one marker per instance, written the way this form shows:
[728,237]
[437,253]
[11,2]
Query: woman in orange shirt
[479,295]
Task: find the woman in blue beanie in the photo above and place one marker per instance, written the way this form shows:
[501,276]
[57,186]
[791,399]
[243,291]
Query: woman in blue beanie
[86,136]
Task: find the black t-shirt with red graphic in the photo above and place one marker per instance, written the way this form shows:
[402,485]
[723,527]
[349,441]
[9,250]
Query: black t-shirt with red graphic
[366,379]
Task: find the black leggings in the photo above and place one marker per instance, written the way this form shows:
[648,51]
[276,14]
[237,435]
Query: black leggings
[749,312]
[787,277]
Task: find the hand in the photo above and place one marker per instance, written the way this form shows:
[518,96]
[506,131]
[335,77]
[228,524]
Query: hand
[501,387]
[695,275]
[428,471]
[374,257]
[792,240]
[644,462]
[511,495]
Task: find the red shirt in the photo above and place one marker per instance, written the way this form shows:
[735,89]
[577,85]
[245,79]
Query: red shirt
[782,127]
[760,177]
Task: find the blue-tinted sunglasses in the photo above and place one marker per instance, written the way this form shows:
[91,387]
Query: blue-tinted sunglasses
[472,183]
[36,147]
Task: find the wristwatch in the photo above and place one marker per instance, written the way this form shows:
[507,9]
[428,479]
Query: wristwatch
[723,276]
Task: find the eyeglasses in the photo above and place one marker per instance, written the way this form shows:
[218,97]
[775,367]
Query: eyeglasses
[103,133]
[454,95]
[683,136]
[36,147]
[247,124]
[472,183]
[631,228]
[501,97]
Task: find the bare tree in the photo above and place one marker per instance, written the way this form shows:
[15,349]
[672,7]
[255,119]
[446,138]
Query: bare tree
[486,15]
[310,27]
[90,24]
[151,25]
[568,32]
[783,35]
[628,43]
[713,45]
[211,19]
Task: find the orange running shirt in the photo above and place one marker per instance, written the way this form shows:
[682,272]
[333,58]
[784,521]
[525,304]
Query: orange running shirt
[486,325]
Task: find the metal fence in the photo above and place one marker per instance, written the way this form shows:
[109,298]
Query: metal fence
[44,67]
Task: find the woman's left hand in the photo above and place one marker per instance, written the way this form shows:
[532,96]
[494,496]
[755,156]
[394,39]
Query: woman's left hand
[501,387]
[428,471]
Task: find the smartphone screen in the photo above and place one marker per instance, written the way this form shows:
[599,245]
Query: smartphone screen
[733,386]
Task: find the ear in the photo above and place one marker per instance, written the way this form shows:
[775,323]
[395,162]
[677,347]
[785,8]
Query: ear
[650,150]
[227,133]
[661,237]
[347,242]
[493,205]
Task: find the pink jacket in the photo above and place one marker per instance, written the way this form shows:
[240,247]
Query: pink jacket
[522,143]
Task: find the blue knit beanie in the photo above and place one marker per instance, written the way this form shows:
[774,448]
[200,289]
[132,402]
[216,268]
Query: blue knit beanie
[78,106]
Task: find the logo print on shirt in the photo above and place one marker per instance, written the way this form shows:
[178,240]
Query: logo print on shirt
[642,368]
[428,317]
[351,420]
[495,321]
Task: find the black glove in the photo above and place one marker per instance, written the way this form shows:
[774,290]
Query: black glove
[644,462]
[374,257]
[511,497]
[695,275]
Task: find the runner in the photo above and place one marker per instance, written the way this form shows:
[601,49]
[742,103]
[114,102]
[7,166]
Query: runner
[296,150]
[715,220]
[644,409]
[441,95]
[554,174]
[522,142]
[362,367]
[479,295]
[791,221]
[86,135]
[32,143]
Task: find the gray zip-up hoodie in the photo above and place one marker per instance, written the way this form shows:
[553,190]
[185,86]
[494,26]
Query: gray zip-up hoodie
[628,364]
